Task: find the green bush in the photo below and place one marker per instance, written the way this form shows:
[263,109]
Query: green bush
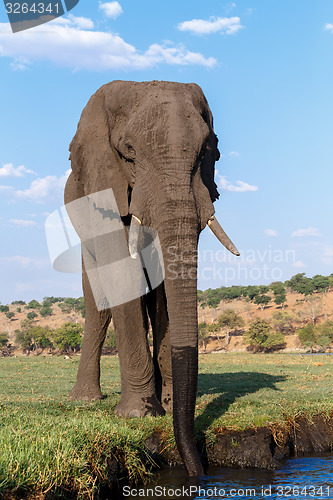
[10,315]
[110,339]
[3,339]
[45,311]
[68,338]
[33,304]
[32,315]
[261,337]
[33,337]
[306,335]
[4,309]
[230,320]
[283,322]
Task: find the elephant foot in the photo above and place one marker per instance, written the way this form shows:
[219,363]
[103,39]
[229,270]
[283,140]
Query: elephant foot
[85,393]
[134,406]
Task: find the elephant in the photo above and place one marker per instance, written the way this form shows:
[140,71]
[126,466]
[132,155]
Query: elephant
[152,144]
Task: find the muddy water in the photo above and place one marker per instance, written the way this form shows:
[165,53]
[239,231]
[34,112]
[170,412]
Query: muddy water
[301,478]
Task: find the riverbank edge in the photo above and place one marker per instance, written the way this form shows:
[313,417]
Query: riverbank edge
[263,447]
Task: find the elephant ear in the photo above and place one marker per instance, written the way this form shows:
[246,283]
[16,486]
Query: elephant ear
[95,162]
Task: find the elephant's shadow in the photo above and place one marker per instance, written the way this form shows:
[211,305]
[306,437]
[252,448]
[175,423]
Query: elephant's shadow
[230,387]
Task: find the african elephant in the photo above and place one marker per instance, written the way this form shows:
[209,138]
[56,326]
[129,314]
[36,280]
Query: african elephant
[154,145]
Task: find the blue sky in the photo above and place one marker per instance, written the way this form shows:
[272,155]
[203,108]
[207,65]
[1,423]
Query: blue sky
[266,70]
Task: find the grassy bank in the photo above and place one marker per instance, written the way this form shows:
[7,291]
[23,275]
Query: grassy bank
[50,443]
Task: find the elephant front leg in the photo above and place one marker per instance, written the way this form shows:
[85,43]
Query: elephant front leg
[157,309]
[138,397]
[87,387]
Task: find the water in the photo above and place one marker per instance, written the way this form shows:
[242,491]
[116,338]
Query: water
[301,478]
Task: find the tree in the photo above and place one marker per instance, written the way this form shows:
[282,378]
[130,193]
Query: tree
[18,310]
[279,292]
[68,337]
[262,300]
[3,339]
[45,311]
[33,304]
[280,299]
[205,330]
[301,284]
[229,320]
[110,339]
[32,315]
[320,283]
[33,337]
[313,308]
[4,309]
[306,335]
[261,337]
[18,303]
[324,334]
[10,315]
[252,291]
[283,322]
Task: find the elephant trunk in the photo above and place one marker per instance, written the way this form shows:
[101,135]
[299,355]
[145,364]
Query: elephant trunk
[180,261]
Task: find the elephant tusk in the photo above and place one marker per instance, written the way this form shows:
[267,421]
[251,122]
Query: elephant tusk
[137,219]
[222,236]
[133,237]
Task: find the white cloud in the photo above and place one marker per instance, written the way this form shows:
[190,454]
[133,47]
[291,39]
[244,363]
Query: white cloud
[239,187]
[228,25]
[328,27]
[111,9]
[71,42]
[310,231]
[8,170]
[234,154]
[23,223]
[43,189]
[271,232]
[298,264]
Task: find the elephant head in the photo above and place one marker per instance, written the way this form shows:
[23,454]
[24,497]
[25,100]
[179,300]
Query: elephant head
[153,143]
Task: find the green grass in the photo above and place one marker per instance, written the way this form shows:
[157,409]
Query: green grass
[50,443]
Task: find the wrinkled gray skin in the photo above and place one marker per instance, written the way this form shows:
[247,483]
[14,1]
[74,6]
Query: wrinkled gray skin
[153,143]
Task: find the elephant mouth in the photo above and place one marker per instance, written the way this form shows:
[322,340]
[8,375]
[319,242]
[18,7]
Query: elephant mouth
[213,225]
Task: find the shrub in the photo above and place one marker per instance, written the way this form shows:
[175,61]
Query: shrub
[4,309]
[45,311]
[19,310]
[230,320]
[32,315]
[68,337]
[18,303]
[10,315]
[110,339]
[3,339]
[261,337]
[33,337]
[282,322]
[33,304]
[307,335]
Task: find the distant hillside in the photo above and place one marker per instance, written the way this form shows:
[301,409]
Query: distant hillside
[305,300]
